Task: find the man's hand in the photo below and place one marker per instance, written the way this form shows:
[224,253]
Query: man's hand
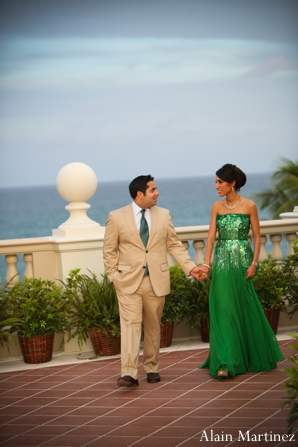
[199,273]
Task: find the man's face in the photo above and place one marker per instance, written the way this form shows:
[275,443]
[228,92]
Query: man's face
[150,199]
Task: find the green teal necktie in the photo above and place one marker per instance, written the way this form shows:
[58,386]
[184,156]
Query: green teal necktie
[144,233]
[144,229]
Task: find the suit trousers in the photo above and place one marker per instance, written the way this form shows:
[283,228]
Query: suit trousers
[143,306]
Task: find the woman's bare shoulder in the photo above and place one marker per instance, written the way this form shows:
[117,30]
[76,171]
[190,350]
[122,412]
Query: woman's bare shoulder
[217,205]
[248,205]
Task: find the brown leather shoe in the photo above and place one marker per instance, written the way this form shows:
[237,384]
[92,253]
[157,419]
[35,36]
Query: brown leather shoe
[153,377]
[127,381]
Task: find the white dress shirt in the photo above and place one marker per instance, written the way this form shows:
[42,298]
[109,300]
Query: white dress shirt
[137,213]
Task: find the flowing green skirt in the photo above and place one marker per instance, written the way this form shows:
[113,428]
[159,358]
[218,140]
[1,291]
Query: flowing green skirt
[241,338]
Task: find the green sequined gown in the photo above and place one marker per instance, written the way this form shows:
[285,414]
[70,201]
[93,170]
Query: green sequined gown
[241,338]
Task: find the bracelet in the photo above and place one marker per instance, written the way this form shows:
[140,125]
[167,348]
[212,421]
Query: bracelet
[206,265]
[255,263]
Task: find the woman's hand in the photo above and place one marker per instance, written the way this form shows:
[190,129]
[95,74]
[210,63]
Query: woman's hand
[203,272]
[251,271]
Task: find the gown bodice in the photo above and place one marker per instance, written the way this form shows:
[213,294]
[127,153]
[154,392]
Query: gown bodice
[233,226]
[232,249]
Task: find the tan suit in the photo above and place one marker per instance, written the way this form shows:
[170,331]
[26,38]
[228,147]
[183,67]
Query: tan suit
[125,258]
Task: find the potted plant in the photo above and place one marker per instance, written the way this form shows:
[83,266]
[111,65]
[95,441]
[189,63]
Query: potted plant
[198,306]
[41,311]
[269,284]
[291,385]
[175,305]
[6,321]
[94,312]
[290,271]
[277,287]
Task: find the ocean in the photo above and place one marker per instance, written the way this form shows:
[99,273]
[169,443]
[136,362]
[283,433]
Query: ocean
[34,211]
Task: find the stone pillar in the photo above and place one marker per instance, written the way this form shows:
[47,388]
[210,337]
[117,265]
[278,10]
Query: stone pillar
[76,183]
[78,242]
[292,214]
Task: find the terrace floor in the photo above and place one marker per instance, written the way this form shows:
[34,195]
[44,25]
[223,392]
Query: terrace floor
[78,404]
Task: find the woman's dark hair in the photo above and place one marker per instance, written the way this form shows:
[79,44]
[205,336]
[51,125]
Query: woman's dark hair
[230,173]
[140,184]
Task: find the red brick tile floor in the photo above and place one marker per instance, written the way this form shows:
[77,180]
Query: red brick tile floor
[76,405]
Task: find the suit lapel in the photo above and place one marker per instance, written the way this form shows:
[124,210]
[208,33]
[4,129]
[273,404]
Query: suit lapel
[130,220]
[153,226]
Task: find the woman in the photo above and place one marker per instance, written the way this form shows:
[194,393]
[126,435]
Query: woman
[241,338]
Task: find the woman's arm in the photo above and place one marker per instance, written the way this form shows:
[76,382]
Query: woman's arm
[255,226]
[210,240]
[211,235]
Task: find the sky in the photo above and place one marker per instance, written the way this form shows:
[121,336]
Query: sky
[171,88]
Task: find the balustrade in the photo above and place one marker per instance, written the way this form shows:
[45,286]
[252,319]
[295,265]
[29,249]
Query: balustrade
[43,256]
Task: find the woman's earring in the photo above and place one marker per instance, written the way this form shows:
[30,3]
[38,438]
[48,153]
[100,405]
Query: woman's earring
[232,188]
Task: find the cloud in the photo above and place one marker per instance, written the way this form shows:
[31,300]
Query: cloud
[80,63]
[272,65]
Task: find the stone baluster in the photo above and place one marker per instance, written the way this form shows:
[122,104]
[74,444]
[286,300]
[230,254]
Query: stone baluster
[276,252]
[263,251]
[199,246]
[290,239]
[185,245]
[28,259]
[12,276]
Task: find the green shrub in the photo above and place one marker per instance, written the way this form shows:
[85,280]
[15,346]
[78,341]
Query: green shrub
[270,283]
[198,301]
[277,286]
[94,305]
[175,302]
[7,323]
[290,271]
[291,386]
[39,307]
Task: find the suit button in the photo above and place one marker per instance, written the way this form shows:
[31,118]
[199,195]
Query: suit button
[144,266]
[146,251]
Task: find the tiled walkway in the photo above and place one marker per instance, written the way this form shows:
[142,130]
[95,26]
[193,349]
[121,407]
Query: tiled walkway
[80,405]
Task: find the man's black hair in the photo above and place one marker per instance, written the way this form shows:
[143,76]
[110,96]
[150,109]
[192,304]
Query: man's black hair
[140,183]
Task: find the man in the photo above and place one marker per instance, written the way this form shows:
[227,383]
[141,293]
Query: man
[137,239]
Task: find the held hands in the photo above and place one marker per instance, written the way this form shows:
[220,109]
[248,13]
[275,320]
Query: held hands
[200,273]
[196,273]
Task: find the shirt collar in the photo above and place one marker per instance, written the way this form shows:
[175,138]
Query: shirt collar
[136,208]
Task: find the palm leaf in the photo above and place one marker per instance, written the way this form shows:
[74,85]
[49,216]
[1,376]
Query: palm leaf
[282,197]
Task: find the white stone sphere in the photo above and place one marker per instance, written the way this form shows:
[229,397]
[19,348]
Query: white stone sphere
[76,182]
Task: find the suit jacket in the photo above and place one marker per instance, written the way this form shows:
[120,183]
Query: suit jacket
[125,255]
